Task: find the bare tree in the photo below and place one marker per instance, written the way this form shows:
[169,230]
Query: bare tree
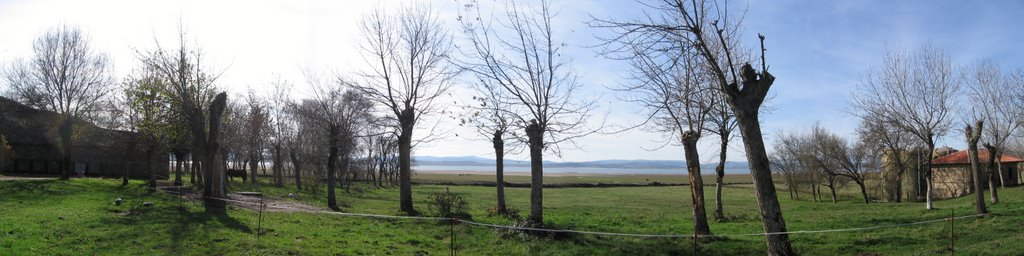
[914,92]
[527,64]
[972,149]
[678,95]
[256,130]
[491,118]
[852,160]
[709,29]
[191,87]
[997,100]
[338,112]
[281,128]
[896,145]
[64,75]
[408,53]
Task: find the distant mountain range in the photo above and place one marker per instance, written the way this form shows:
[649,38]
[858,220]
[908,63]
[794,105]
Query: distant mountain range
[617,164]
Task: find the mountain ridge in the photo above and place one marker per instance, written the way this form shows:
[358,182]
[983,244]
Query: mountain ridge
[605,163]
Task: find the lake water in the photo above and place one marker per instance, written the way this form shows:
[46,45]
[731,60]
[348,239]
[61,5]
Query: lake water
[580,170]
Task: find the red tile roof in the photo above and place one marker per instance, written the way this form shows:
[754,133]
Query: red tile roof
[961,157]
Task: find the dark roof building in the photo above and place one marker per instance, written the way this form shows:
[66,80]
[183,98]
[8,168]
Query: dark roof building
[35,141]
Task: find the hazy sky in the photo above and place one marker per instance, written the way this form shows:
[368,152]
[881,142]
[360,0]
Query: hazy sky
[818,50]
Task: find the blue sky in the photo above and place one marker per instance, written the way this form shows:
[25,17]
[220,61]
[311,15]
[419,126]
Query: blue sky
[818,50]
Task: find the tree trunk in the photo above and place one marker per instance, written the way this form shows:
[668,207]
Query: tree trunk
[346,177]
[332,166]
[124,179]
[992,173]
[720,176]
[928,176]
[768,204]
[253,168]
[998,152]
[899,185]
[278,166]
[972,151]
[535,137]
[832,188]
[499,170]
[407,122]
[863,190]
[179,165]
[297,169]
[700,217]
[213,167]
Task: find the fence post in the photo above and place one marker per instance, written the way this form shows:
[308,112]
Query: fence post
[952,232]
[259,223]
[451,231]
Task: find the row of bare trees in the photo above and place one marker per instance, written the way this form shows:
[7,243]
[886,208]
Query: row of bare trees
[914,98]
[823,158]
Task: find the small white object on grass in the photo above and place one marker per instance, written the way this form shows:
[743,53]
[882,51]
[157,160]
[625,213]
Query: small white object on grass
[117,201]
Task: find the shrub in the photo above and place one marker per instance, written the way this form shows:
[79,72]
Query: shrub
[450,205]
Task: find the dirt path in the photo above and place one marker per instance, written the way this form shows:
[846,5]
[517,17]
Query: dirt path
[270,203]
[2,177]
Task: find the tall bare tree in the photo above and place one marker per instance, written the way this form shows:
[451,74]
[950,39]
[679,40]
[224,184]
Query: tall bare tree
[64,75]
[998,101]
[708,27]
[281,128]
[914,92]
[492,119]
[679,96]
[192,91]
[523,58]
[408,54]
[338,112]
[973,135]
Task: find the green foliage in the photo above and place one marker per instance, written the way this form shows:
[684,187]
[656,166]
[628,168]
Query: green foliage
[448,204]
[150,109]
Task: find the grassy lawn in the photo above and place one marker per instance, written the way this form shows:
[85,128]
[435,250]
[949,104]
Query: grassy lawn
[77,217]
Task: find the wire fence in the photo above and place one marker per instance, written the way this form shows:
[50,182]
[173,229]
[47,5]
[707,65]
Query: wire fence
[456,221]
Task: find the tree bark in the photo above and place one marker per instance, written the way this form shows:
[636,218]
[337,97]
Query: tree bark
[863,190]
[972,151]
[832,189]
[992,173]
[297,169]
[535,139]
[278,166]
[212,166]
[720,176]
[332,166]
[253,168]
[179,165]
[745,103]
[928,176]
[407,122]
[499,170]
[700,217]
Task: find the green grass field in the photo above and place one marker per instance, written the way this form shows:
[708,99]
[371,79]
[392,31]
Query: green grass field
[77,217]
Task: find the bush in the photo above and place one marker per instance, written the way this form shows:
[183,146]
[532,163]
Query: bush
[449,205]
[510,212]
